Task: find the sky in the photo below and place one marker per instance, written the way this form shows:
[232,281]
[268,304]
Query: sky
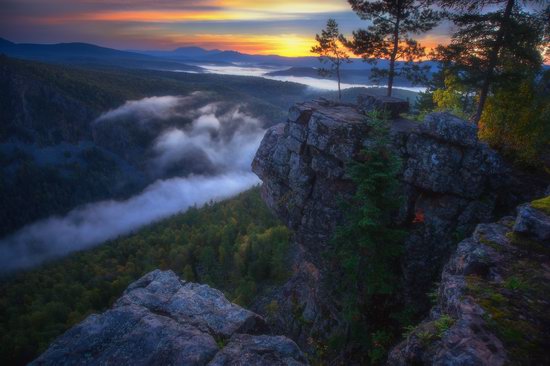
[283,27]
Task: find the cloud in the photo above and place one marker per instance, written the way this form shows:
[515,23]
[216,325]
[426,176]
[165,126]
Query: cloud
[209,150]
[225,141]
[145,109]
[329,84]
[92,224]
[207,122]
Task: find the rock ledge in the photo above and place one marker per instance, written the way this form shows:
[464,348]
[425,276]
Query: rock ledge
[492,302]
[161,320]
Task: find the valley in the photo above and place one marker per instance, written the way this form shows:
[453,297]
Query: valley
[274,183]
[138,134]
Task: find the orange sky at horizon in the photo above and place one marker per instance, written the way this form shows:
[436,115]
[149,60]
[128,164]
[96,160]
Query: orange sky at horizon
[283,27]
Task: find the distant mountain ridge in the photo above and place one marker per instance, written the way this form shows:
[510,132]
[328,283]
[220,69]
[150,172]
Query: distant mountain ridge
[198,54]
[177,59]
[79,53]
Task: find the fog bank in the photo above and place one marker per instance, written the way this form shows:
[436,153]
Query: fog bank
[94,223]
[317,83]
[206,146]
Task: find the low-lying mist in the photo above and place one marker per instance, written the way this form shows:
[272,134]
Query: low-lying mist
[220,143]
[207,146]
[315,83]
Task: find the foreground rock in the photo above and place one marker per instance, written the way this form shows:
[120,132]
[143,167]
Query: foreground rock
[161,320]
[492,303]
[450,183]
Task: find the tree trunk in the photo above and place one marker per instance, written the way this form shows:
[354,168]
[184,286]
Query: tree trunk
[390,75]
[339,90]
[493,58]
[393,56]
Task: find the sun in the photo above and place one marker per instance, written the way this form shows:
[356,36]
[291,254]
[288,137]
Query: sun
[291,45]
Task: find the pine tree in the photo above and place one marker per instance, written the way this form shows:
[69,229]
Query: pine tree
[493,39]
[368,246]
[389,37]
[454,96]
[330,50]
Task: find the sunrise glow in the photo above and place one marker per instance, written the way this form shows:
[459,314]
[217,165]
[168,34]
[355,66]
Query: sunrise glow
[284,27]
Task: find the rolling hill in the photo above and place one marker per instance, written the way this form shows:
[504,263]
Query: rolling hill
[88,54]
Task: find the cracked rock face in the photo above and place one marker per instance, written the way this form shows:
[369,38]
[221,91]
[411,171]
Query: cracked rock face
[302,165]
[161,320]
[450,183]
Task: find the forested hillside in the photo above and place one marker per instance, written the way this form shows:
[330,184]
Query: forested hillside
[236,246]
[54,158]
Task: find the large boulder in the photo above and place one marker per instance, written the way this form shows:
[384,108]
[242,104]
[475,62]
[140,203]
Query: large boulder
[447,127]
[161,320]
[198,305]
[534,223]
[390,106]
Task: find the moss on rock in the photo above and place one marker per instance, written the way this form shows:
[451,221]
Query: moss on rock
[542,204]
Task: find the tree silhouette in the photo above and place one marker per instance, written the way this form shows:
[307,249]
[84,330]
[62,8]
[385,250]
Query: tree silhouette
[331,51]
[389,37]
[495,41]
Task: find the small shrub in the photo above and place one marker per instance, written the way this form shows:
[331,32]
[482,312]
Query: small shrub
[542,204]
[425,337]
[443,324]
[432,295]
[272,308]
[515,283]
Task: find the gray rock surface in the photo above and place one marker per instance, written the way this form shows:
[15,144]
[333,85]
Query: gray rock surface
[450,128]
[450,183]
[244,349]
[491,306]
[161,320]
[533,222]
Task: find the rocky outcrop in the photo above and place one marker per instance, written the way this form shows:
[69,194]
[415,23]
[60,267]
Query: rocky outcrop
[161,320]
[389,106]
[492,303]
[450,183]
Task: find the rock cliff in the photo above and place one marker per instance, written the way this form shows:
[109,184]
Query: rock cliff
[492,303]
[450,182]
[161,320]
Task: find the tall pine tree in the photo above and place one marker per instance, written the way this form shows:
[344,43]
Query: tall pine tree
[495,41]
[390,37]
